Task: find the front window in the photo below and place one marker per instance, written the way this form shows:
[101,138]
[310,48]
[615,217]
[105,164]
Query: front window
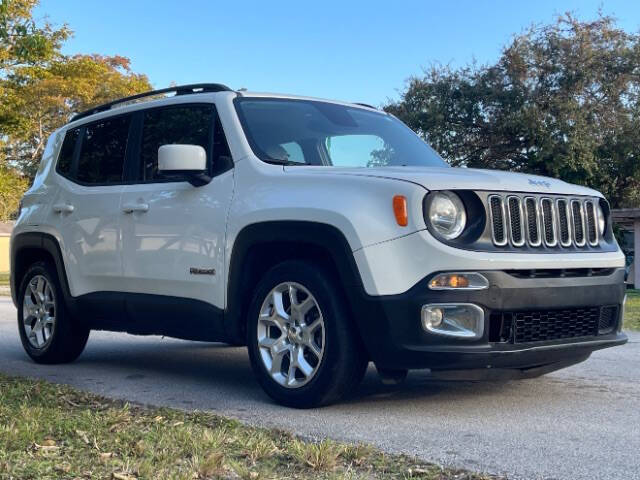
[305,132]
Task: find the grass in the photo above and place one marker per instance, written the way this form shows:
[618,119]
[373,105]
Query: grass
[50,431]
[4,279]
[632,311]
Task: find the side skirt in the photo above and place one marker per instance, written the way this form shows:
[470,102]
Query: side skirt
[145,314]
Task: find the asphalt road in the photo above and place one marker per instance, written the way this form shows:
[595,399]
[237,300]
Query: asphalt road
[579,423]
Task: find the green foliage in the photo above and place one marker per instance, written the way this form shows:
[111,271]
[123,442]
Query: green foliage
[562,100]
[632,311]
[39,99]
[22,41]
[52,432]
[40,88]
[12,187]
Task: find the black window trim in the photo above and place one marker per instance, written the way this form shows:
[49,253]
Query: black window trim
[74,156]
[131,171]
[132,165]
[72,177]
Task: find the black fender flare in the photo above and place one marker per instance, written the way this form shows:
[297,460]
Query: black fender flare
[44,242]
[324,237]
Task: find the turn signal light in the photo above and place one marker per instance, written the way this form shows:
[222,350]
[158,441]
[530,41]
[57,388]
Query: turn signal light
[400,210]
[458,281]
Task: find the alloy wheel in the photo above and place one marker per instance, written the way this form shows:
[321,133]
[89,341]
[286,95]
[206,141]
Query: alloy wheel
[291,334]
[39,312]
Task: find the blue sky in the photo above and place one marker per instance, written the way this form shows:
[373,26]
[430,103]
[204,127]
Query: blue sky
[357,51]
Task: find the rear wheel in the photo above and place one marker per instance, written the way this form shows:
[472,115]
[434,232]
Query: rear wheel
[303,346]
[47,331]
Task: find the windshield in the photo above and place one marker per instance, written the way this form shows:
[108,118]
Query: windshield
[305,132]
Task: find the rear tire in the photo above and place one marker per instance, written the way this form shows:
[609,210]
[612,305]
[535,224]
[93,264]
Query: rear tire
[48,333]
[310,325]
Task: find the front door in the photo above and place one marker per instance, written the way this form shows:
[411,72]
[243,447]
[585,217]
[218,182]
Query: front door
[173,233]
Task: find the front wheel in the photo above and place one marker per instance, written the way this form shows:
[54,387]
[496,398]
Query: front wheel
[47,331]
[303,346]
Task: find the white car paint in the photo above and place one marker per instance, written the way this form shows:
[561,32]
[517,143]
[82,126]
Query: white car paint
[144,238]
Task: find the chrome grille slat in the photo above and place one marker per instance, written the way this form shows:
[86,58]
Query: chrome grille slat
[552,221]
[564,225]
[497,217]
[577,213]
[548,222]
[533,222]
[592,222]
[516,220]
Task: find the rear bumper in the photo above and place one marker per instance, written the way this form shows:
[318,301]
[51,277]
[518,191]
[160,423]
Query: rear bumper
[392,332]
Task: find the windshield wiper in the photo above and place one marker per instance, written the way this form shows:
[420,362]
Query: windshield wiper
[279,161]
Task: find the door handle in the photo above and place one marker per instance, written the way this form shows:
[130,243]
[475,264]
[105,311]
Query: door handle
[63,208]
[135,207]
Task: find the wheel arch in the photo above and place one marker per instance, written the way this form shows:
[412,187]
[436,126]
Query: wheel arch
[30,247]
[259,246]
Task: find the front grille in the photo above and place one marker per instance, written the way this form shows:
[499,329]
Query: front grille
[552,221]
[549,325]
[516,224]
[563,222]
[578,222]
[496,210]
[549,222]
[533,219]
[592,232]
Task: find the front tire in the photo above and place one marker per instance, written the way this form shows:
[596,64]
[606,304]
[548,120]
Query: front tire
[48,333]
[303,346]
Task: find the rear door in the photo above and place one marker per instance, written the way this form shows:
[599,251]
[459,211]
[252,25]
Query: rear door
[85,210]
[173,233]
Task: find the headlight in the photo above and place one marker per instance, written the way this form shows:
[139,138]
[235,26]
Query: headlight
[602,221]
[447,215]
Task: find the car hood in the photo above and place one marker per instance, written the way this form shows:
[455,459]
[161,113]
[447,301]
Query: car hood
[444,178]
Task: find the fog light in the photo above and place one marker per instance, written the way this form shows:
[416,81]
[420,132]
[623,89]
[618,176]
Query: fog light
[432,317]
[461,320]
[459,281]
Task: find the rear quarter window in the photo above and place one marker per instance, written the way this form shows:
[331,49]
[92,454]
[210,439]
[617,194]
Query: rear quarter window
[65,159]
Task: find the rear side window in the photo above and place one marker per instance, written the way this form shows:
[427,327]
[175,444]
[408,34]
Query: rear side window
[65,159]
[103,151]
[189,125]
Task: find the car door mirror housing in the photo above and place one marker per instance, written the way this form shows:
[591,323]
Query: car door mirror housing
[187,161]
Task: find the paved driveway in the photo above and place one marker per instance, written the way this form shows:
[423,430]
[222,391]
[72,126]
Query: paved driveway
[580,423]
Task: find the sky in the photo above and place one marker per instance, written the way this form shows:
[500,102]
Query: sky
[359,51]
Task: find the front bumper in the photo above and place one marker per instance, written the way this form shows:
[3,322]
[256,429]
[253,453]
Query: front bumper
[391,329]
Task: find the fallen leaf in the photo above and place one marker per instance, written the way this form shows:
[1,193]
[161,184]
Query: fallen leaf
[106,455]
[83,436]
[123,476]
[177,424]
[63,467]
[49,442]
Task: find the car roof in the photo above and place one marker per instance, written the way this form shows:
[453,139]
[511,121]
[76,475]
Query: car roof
[117,108]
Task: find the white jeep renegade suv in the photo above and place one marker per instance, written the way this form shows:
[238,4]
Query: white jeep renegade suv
[323,235]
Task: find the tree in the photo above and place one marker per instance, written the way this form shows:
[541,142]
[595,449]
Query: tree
[40,88]
[12,186]
[39,99]
[562,100]
[22,41]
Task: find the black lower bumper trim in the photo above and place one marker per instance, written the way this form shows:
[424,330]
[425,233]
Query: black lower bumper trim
[390,326]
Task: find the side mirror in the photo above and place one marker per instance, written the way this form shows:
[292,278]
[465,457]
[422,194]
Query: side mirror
[189,161]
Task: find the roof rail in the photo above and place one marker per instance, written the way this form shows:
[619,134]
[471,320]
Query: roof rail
[365,105]
[179,89]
